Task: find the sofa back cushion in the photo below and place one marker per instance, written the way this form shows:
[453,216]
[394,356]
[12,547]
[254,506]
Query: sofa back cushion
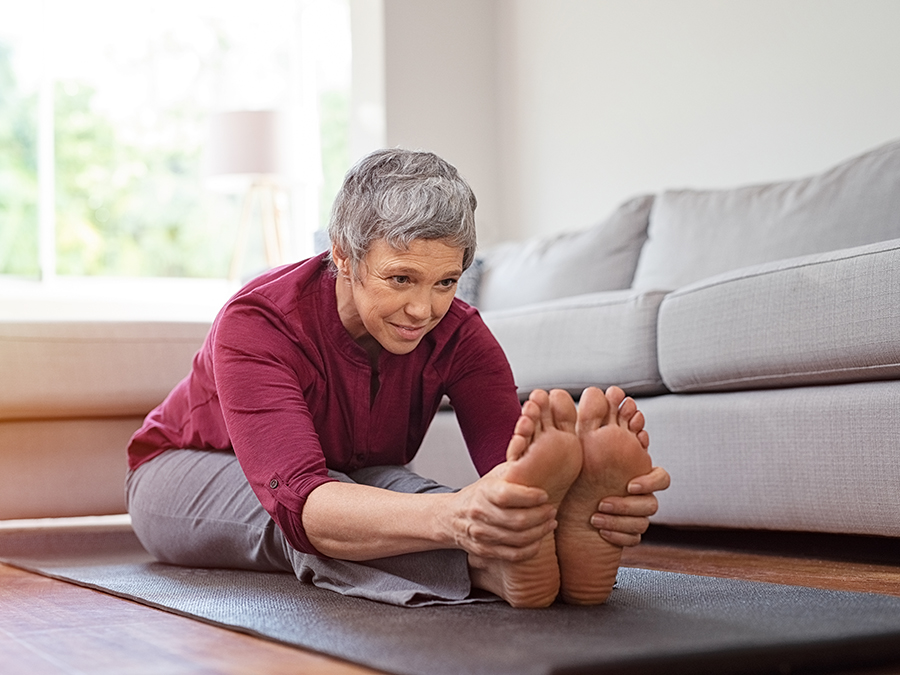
[601,258]
[593,339]
[695,234]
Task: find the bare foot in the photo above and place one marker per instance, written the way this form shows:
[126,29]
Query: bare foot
[615,451]
[544,452]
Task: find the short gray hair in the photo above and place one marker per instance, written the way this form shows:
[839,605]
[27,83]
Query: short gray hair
[400,196]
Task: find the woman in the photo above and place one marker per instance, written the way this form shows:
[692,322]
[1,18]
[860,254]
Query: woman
[284,447]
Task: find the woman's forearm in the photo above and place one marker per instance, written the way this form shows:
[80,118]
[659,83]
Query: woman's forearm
[491,518]
[359,522]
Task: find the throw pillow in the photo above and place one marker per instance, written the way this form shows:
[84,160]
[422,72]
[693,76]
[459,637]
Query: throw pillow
[694,234]
[601,258]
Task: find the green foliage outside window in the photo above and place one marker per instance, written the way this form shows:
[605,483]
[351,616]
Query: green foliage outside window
[18,175]
[122,208]
[129,209]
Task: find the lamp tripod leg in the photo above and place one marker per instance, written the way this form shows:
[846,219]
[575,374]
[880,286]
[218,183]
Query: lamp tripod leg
[240,246]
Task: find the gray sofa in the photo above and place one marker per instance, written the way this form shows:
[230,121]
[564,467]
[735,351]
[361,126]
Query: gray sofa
[758,328]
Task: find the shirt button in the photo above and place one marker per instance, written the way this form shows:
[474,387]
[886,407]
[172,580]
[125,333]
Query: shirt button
[360,458]
[273,483]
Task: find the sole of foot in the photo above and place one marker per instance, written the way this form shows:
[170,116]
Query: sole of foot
[614,447]
[544,452]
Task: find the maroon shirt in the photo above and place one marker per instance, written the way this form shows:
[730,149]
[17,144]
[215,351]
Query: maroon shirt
[280,381]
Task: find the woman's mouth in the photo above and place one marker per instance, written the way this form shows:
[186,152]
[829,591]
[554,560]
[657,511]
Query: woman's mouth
[410,332]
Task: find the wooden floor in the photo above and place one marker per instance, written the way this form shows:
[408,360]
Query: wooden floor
[53,627]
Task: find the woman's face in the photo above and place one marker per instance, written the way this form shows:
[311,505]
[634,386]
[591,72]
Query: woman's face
[398,296]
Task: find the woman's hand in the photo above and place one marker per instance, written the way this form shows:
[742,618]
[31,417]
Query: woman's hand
[494,518]
[622,520]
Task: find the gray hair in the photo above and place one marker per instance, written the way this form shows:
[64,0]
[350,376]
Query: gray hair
[400,196]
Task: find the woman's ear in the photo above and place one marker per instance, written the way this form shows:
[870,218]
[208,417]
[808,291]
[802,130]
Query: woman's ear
[340,260]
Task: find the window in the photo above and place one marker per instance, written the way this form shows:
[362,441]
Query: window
[104,115]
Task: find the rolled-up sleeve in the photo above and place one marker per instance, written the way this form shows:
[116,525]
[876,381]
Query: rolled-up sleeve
[261,369]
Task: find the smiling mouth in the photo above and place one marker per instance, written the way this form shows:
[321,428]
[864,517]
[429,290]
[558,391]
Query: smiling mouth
[410,332]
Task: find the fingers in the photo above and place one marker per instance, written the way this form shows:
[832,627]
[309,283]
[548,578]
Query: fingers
[620,539]
[641,506]
[483,519]
[489,541]
[622,520]
[497,519]
[620,524]
[507,495]
[506,553]
[620,530]
[658,479]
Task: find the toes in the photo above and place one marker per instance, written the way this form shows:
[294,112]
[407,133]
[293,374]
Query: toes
[517,447]
[593,410]
[644,439]
[615,396]
[541,400]
[636,423]
[563,408]
[532,412]
[627,413]
[633,419]
[526,426]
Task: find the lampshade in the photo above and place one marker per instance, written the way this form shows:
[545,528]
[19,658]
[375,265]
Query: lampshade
[247,143]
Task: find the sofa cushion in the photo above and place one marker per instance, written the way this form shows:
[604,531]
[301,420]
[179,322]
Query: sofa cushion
[696,234]
[597,339]
[825,318]
[807,458]
[72,368]
[601,258]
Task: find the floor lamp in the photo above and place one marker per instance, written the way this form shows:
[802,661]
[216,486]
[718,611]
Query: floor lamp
[247,147]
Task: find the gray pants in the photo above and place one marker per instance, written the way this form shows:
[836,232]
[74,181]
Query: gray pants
[195,508]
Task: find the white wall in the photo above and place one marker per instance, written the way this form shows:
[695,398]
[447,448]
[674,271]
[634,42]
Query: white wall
[558,110]
[367,123]
[440,82]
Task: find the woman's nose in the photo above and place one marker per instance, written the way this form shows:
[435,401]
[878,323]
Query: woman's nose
[419,306]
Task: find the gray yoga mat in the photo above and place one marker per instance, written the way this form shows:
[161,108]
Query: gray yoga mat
[654,622]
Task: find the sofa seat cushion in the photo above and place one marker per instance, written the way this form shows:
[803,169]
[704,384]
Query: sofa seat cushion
[62,369]
[695,234]
[818,319]
[600,258]
[819,459]
[598,339]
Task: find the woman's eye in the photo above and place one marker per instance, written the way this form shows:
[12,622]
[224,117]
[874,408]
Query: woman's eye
[401,280]
[448,283]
